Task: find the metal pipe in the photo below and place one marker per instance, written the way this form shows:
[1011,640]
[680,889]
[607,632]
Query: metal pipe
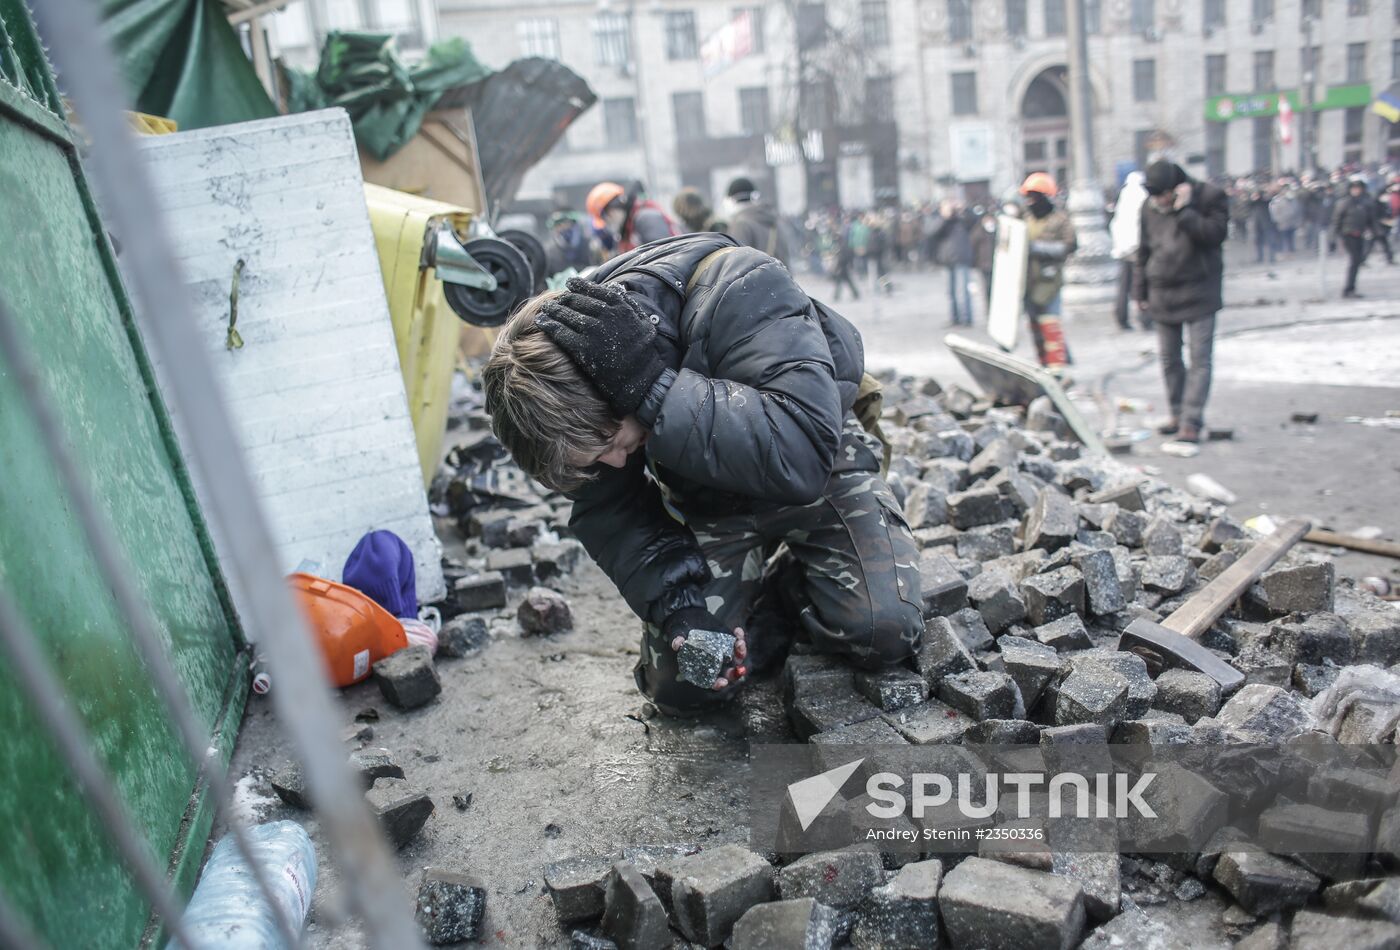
[44,691]
[304,705]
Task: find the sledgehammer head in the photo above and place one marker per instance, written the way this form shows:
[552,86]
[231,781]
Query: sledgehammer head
[1162,648]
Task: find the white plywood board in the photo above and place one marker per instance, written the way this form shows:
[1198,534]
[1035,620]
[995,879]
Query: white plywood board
[1008,282]
[316,391]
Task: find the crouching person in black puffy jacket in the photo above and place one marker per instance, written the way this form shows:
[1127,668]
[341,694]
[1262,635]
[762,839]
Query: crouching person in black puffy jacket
[696,406]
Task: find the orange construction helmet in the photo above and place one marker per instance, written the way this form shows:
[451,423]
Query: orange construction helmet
[1040,182]
[353,631]
[603,194]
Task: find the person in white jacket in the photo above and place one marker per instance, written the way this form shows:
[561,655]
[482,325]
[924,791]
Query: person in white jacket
[1125,230]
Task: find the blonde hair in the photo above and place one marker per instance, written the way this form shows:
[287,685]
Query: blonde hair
[543,409]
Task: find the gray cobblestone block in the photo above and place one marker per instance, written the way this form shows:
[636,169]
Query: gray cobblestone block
[1322,636]
[633,916]
[578,885]
[903,913]
[943,536]
[485,591]
[892,689]
[1018,488]
[1188,693]
[799,924]
[1065,634]
[1103,592]
[1332,844]
[929,723]
[402,809]
[1033,665]
[1292,588]
[839,879]
[1153,732]
[1262,666]
[1271,712]
[1092,695]
[819,710]
[1375,636]
[1097,540]
[998,455]
[972,629]
[1167,573]
[1162,537]
[997,906]
[1310,679]
[554,560]
[1052,595]
[711,890]
[1003,732]
[490,525]
[703,656]
[450,906]
[1142,691]
[1126,496]
[987,542]
[514,564]
[814,671]
[407,678]
[371,764]
[976,506]
[1126,526]
[583,940]
[926,506]
[982,695]
[544,612]
[1263,883]
[942,652]
[1052,521]
[1314,929]
[998,599]
[1219,531]
[462,636]
[1357,790]
[944,589]
[949,474]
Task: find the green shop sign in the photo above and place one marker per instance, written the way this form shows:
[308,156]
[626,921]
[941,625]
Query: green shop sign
[1257,104]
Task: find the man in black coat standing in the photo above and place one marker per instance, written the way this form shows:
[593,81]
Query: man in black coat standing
[700,411]
[1354,223]
[1178,281]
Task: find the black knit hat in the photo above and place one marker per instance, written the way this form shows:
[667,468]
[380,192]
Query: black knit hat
[1162,176]
[740,186]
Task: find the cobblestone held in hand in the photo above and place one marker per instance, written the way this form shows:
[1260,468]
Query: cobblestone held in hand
[544,612]
[839,879]
[798,924]
[450,906]
[486,591]
[703,655]
[407,678]
[462,636]
[632,915]
[998,906]
[402,808]
[711,890]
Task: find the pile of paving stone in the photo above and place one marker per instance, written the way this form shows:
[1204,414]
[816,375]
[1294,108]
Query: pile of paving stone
[1034,558]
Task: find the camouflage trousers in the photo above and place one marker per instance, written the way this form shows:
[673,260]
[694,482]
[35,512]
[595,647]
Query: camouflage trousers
[855,589]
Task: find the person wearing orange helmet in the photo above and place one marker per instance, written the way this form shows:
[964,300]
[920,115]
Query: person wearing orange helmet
[1051,240]
[625,219]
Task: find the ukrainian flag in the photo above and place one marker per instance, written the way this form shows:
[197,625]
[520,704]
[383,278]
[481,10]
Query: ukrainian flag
[1387,104]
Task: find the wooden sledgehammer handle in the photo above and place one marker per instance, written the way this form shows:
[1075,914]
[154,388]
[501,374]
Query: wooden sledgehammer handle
[1195,617]
[1366,545]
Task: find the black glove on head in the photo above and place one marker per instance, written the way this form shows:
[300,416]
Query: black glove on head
[609,337]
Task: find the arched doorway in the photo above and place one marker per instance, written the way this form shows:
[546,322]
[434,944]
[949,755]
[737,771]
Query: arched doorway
[1045,125]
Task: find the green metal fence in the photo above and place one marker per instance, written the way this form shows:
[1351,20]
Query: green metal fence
[58,279]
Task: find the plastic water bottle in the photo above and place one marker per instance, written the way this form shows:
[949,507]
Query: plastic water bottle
[228,910]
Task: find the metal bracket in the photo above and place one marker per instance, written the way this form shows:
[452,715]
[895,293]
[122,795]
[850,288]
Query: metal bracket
[453,264]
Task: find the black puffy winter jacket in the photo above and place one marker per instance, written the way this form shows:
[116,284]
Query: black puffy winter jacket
[748,413]
[1180,265]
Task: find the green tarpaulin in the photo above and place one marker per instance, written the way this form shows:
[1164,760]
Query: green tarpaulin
[386,98]
[183,61]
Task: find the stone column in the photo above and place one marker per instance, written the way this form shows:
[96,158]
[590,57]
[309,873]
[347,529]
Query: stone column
[1091,274]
